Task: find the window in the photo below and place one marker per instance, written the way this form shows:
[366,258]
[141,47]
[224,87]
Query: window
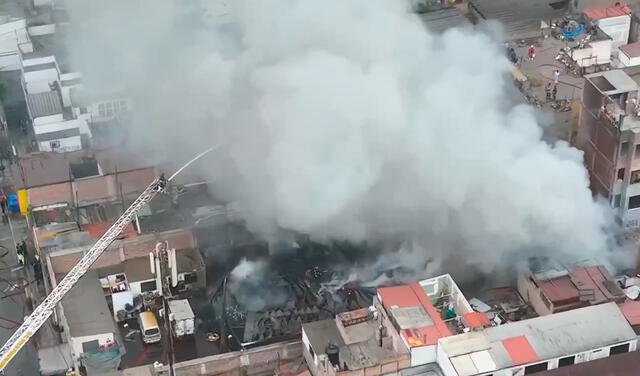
[535,368]
[90,345]
[621,174]
[635,177]
[563,362]
[148,286]
[624,148]
[620,349]
[616,201]
[190,278]
[154,331]
[634,202]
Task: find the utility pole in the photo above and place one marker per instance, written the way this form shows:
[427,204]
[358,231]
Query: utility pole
[163,265]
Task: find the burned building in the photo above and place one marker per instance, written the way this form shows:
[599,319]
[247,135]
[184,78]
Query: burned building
[608,135]
[550,287]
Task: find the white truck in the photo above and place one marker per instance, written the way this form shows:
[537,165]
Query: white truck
[182,317]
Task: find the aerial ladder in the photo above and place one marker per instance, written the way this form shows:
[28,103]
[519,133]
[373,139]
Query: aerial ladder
[38,317]
[42,312]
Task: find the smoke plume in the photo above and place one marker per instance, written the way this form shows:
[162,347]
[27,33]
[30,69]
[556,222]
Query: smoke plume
[346,120]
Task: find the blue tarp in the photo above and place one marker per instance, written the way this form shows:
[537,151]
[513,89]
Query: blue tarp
[572,33]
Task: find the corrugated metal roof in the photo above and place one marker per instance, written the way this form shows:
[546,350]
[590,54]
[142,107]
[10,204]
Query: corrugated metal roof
[521,18]
[560,291]
[631,311]
[401,296]
[546,337]
[600,13]
[569,332]
[589,284]
[44,104]
[476,319]
[43,168]
[63,261]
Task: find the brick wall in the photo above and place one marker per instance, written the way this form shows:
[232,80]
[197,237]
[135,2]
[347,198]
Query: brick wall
[261,360]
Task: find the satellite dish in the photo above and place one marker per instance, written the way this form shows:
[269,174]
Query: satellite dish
[632,292]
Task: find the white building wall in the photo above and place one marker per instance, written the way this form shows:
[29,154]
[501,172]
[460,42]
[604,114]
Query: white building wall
[423,355]
[12,34]
[76,342]
[596,53]
[54,126]
[617,28]
[42,3]
[61,145]
[38,60]
[109,109]
[42,29]
[42,120]
[40,81]
[628,61]
[531,294]
[136,286]
[444,363]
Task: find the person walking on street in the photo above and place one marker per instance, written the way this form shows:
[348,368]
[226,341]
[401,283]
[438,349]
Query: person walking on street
[554,92]
[556,76]
[531,52]
[3,203]
[547,91]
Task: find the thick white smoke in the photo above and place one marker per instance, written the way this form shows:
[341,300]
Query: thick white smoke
[348,120]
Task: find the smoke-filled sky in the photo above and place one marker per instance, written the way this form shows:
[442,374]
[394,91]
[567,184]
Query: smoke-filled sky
[346,119]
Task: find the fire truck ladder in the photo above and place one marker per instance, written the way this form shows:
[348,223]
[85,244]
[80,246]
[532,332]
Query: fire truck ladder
[38,317]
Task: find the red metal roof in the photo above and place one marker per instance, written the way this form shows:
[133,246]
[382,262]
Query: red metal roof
[600,13]
[520,350]
[560,290]
[476,319]
[566,289]
[631,311]
[401,296]
[443,330]
[412,296]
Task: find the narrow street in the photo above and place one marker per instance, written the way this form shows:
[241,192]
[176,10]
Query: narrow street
[13,305]
[13,302]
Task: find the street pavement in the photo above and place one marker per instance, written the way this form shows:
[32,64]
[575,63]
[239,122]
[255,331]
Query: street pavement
[13,305]
[13,302]
[539,72]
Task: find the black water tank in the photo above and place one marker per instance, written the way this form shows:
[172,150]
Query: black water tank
[333,353]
